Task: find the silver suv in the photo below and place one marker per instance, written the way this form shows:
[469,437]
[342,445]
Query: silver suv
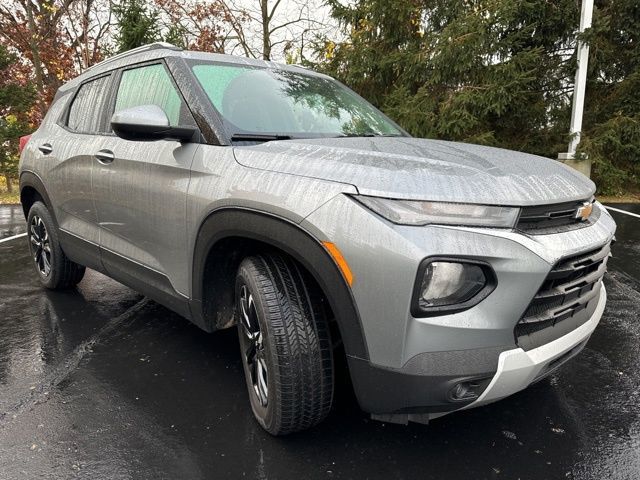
[236,191]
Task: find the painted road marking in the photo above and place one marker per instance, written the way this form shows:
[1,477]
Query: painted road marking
[622,211]
[13,238]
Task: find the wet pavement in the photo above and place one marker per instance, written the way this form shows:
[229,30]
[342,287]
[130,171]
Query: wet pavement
[11,221]
[103,383]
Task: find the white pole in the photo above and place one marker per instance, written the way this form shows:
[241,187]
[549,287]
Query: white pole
[580,84]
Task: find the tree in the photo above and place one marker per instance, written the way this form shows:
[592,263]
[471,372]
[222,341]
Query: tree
[498,73]
[137,24]
[31,28]
[17,95]
[277,27]
[57,38]
[482,71]
[87,26]
[611,135]
[200,24]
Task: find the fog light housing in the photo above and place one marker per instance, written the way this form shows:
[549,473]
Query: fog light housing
[446,285]
[468,390]
[464,391]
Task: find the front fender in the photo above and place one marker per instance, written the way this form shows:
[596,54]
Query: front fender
[292,239]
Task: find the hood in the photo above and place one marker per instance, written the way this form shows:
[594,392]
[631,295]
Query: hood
[419,169]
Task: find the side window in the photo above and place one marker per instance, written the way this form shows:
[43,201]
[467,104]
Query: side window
[85,113]
[151,85]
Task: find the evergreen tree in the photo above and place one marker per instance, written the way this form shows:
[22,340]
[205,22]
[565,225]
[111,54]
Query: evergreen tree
[176,35]
[137,24]
[496,72]
[611,130]
[483,71]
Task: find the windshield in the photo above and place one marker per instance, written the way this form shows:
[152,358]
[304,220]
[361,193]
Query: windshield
[286,104]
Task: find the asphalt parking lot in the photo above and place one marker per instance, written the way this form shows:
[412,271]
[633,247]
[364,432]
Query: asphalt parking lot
[100,383]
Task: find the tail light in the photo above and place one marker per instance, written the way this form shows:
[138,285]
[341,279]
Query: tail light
[23,142]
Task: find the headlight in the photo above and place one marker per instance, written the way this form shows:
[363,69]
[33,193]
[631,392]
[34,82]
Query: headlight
[449,285]
[413,212]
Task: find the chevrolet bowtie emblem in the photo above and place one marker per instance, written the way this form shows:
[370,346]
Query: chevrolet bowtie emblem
[584,211]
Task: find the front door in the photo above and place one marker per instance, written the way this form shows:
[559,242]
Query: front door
[141,190]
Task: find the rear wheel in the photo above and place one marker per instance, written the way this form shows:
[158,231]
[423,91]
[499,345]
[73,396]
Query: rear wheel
[285,344]
[55,270]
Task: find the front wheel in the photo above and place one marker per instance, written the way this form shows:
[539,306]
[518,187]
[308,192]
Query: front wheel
[285,344]
[55,270]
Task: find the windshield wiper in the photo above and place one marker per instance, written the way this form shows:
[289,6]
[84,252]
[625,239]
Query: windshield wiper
[357,135]
[257,137]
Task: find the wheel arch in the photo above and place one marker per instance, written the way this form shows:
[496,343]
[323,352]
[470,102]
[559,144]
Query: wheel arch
[229,234]
[31,190]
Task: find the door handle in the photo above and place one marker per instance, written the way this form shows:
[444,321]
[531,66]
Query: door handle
[46,148]
[105,157]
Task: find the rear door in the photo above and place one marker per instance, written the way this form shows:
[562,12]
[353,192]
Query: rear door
[79,134]
[141,189]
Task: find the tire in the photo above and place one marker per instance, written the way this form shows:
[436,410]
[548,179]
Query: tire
[283,327]
[55,270]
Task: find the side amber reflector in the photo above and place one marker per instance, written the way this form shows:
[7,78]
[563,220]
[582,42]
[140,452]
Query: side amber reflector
[340,261]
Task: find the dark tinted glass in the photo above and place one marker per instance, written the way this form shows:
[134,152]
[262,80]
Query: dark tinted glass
[86,110]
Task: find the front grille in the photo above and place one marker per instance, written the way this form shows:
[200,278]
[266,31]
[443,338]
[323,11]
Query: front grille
[555,218]
[566,299]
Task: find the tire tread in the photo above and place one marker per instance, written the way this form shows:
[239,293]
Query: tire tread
[299,331]
[65,273]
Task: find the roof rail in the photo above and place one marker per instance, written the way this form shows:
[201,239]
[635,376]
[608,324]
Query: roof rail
[144,48]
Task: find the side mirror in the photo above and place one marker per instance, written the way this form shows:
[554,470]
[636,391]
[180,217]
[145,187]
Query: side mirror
[147,122]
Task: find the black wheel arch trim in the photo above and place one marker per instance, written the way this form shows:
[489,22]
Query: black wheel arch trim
[292,239]
[31,179]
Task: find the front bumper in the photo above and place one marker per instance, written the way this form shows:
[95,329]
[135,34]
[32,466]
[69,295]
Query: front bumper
[518,369]
[404,395]
[412,363]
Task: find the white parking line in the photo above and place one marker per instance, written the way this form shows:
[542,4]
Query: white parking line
[622,211]
[13,238]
